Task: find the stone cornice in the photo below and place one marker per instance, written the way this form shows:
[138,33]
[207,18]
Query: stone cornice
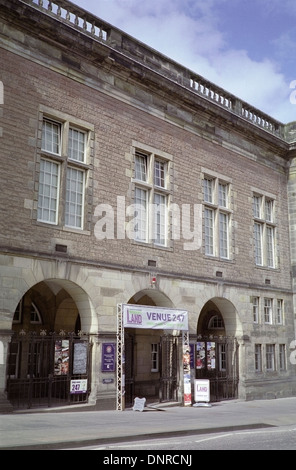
[77,35]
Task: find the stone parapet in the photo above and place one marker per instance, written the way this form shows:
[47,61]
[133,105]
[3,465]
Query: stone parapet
[113,45]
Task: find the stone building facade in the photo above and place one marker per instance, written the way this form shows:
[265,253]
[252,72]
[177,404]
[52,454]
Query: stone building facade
[128,179]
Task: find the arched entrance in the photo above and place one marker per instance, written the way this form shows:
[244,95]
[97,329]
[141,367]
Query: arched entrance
[152,356]
[216,349]
[49,355]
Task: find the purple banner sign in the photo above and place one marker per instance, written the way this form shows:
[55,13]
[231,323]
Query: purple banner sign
[108,357]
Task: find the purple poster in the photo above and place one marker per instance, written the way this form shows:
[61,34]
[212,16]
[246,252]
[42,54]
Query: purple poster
[108,357]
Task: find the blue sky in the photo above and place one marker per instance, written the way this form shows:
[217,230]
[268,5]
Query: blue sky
[248,47]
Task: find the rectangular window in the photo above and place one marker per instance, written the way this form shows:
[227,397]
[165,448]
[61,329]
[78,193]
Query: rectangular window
[270,357]
[51,137]
[258,244]
[140,167]
[160,213]
[151,198]
[270,246]
[154,357]
[282,357]
[223,234]
[209,231]
[257,203]
[268,210]
[49,177]
[279,311]
[217,217]
[222,195]
[258,357]
[222,357]
[208,190]
[13,368]
[268,311]
[256,309]
[64,166]
[140,229]
[74,198]
[264,231]
[159,173]
[77,145]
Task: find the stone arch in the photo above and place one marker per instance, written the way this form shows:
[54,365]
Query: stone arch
[60,302]
[151,297]
[73,278]
[224,308]
[82,300]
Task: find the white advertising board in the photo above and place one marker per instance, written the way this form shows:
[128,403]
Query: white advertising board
[202,390]
[78,386]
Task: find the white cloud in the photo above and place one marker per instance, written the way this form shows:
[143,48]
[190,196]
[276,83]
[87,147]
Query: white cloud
[188,32]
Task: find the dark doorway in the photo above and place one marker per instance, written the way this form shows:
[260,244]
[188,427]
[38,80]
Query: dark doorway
[216,354]
[216,359]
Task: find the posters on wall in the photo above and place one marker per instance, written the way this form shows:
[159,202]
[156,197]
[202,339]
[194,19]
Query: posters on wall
[205,355]
[211,355]
[200,355]
[61,357]
[187,378]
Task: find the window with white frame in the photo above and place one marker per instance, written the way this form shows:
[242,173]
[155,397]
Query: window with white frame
[258,357]
[264,230]
[270,357]
[217,217]
[216,322]
[154,357]
[18,314]
[222,356]
[256,309]
[279,311]
[282,357]
[35,316]
[63,172]
[268,304]
[13,367]
[151,198]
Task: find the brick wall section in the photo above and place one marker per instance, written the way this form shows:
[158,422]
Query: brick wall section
[116,125]
[122,104]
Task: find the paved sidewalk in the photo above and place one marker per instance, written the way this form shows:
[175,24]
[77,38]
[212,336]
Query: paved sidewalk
[56,429]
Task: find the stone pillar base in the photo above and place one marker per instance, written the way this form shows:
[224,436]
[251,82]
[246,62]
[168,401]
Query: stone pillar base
[5,405]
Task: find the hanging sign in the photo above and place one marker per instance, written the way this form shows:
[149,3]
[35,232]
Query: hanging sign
[108,357]
[78,386]
[138,316]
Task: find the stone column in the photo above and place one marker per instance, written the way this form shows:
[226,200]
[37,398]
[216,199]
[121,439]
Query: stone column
[5,337]
[292,223]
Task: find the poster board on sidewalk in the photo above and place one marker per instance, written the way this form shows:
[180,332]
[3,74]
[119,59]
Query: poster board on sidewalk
[202,390]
